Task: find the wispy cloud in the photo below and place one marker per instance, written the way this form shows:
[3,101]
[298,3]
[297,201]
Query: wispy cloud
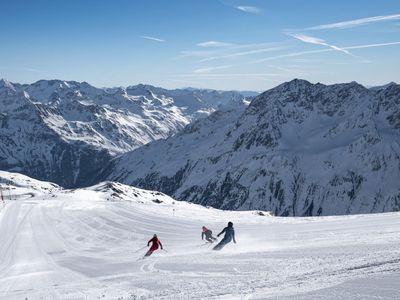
[242,76]
[210,58]
[356,22]
[151,38]
[231,51]
[33,70]
[242,53]
[301,53]
[372,45]
[256,51]
[210,69]
[292,54]
[316,61]
[213,44]
[317,41]
[248,9]
[197,53]
[287,70]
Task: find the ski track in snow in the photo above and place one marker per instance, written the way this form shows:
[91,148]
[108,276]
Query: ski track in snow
[74,247]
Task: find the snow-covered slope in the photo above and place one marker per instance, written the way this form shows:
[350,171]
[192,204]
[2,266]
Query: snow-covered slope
[14,186]
[298,149]
[88,244]
[63,131]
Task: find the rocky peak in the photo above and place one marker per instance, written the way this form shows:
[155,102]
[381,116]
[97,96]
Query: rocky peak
[309,97]
[5,84]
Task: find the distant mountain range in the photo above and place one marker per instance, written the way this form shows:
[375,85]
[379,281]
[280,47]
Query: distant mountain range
[298,149]
[64,131]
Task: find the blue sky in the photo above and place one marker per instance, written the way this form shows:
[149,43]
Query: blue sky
[220,44]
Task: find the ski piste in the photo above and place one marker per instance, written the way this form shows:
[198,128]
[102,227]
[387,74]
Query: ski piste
[208,244]
[80,244]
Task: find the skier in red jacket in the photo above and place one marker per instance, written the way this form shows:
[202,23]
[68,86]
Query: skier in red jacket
[208,234]
[155,243]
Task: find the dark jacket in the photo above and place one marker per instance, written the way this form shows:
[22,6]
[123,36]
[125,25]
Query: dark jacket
[207,234]
[229,234]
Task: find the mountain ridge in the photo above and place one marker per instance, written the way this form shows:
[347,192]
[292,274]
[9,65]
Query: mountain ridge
[297,149]
[49,119]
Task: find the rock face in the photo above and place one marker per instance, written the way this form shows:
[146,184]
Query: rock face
[65,131]
[299,149]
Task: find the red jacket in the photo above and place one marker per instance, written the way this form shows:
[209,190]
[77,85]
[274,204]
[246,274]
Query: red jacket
[156,242]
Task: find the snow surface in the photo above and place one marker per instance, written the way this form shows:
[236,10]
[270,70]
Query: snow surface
[87,244]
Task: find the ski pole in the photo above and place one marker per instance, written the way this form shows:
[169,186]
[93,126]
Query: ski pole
[140,249]
[165,250]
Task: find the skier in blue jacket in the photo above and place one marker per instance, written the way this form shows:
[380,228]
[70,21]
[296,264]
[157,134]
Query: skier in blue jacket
[229,236]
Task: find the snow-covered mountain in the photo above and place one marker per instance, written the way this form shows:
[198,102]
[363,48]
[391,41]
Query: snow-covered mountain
[63,131]
[14,186]
[297,149]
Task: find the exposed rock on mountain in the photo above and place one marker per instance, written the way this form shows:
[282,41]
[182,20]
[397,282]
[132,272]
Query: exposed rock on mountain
[297,149]
[64,131]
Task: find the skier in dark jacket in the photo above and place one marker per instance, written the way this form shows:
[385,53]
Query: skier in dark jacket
[154,246]
[229,236]
[208,234]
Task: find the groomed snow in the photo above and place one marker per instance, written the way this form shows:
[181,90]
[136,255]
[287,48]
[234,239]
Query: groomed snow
[86,244]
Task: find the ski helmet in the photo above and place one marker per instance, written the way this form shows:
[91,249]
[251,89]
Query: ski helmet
[155,235]
[230,224]
[204,228]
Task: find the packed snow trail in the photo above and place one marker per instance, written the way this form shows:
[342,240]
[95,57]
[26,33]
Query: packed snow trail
[78,245]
